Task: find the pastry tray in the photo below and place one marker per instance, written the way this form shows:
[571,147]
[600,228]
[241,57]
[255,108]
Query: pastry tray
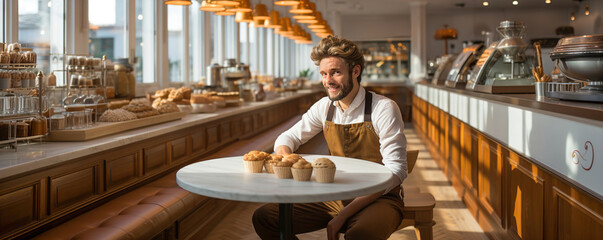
[101,129]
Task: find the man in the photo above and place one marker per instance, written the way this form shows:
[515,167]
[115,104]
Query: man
[357,124]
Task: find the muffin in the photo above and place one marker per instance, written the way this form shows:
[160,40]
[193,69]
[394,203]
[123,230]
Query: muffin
[254,161]
[302,170]
[293,158]
[274,158]
[282,169]
[324,170]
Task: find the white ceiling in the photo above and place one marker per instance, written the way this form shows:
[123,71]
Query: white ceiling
[401,7]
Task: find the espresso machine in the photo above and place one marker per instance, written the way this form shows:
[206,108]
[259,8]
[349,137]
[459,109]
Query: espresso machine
[580,59]
[504,67]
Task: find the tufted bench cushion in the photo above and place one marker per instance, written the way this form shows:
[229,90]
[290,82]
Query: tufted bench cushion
[139,214]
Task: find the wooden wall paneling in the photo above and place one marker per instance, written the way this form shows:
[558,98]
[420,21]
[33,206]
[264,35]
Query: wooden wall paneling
[121,170]
[226,131]
[246,125]
[19,206]
[490,177]
[198,140]
[574,219]
[525,199]
[70,188]
[178,150]
[213,136]
[155,158]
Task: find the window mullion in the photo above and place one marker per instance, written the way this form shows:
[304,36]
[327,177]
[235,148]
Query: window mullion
[185,46]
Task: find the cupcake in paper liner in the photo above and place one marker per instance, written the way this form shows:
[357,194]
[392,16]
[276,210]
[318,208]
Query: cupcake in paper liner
[283,169]
[324,170]
[302,170]
[293,158]
[254,161]
[274,158]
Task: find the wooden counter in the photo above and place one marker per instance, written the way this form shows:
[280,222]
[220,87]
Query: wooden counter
[526,169]
[44,182]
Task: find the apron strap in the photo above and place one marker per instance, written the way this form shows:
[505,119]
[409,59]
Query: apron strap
[368,103]
[330,111]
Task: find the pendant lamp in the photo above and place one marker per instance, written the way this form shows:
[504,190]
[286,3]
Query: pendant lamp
[286,2]
[260,12]
[286,27]
[225,13]
[231,3]
[243,17]
[445,34]
[274,21]
[245,6]
[320,24]
[178,2]
[315,17]
[210,7]
[302,8]
[309,15]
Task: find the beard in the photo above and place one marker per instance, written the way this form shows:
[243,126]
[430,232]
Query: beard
[344,89]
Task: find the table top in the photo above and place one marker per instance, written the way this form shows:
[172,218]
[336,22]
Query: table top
[225,178]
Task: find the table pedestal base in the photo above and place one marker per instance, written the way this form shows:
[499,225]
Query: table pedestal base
[285,216]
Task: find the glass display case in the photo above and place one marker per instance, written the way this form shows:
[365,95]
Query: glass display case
[386,60]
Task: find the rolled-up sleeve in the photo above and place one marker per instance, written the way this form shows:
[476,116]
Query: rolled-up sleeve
[311,124]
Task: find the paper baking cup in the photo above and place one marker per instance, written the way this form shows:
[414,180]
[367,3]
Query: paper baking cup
[268,167]
[282,172]
[324,175]
[303,174]
[254,166]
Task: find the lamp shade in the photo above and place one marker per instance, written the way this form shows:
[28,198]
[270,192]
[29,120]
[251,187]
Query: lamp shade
[445,33]
[302,8]
[286,2]
[210,7]
[274,21]
[224,13]
[243,7]
[260,12]
[320,24]
[178,2]
[286,27]
[243,17]
[230,3]
[313,18]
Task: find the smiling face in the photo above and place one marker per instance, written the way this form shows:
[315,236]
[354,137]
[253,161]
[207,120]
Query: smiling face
[338,80]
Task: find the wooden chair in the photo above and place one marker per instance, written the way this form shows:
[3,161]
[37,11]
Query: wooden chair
[418,206]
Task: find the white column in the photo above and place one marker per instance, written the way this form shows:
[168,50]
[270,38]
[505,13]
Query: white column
[418,40]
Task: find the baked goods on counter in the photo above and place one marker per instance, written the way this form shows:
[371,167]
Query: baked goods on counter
[116,115]
[167,107]
[118,104]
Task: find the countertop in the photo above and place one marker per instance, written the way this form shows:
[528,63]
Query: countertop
[43,154]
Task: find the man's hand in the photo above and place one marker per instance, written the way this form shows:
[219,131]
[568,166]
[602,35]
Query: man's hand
[334,226]
[282,150]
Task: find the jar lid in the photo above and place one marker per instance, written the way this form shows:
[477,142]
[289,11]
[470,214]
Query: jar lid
[579,46]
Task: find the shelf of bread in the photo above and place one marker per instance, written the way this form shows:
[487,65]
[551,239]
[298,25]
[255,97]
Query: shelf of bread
[101,129]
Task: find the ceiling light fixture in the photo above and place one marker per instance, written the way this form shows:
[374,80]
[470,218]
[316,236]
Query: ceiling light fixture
[178,2]
[260,12]
[302,8]
[287,2]
[485,3]
[515,2]
[245,6]
[586,11]
[231,3]
[210,7]
[573,17]
[547,1]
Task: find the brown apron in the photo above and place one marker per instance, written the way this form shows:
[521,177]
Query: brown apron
[356,140]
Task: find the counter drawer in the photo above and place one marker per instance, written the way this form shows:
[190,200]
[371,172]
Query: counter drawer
[18,207]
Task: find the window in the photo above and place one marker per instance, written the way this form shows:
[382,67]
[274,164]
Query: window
[175,19]
[107,28]
[145,42]
[230,37]
[41,27]
[196,33]
[244,42]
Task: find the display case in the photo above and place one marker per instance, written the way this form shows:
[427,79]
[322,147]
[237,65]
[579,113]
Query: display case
[386,60]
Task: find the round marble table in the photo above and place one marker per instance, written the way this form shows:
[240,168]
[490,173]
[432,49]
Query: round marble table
[225,178]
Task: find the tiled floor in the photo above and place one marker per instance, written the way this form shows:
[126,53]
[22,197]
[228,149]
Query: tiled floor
[453,220]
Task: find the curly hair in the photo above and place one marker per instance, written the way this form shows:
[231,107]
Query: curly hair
[335,46]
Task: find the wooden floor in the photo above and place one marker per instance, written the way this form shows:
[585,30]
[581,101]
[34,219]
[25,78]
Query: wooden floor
[453,220]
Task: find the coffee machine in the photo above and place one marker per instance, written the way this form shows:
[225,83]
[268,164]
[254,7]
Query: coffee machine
[459,71]
[504,67]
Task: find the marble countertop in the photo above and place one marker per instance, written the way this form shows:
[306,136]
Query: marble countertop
[39,155]
[226,178]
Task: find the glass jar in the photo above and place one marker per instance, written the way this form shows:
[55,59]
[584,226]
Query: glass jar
[57,120]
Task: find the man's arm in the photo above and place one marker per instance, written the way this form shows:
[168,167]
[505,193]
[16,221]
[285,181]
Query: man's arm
[310,125]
